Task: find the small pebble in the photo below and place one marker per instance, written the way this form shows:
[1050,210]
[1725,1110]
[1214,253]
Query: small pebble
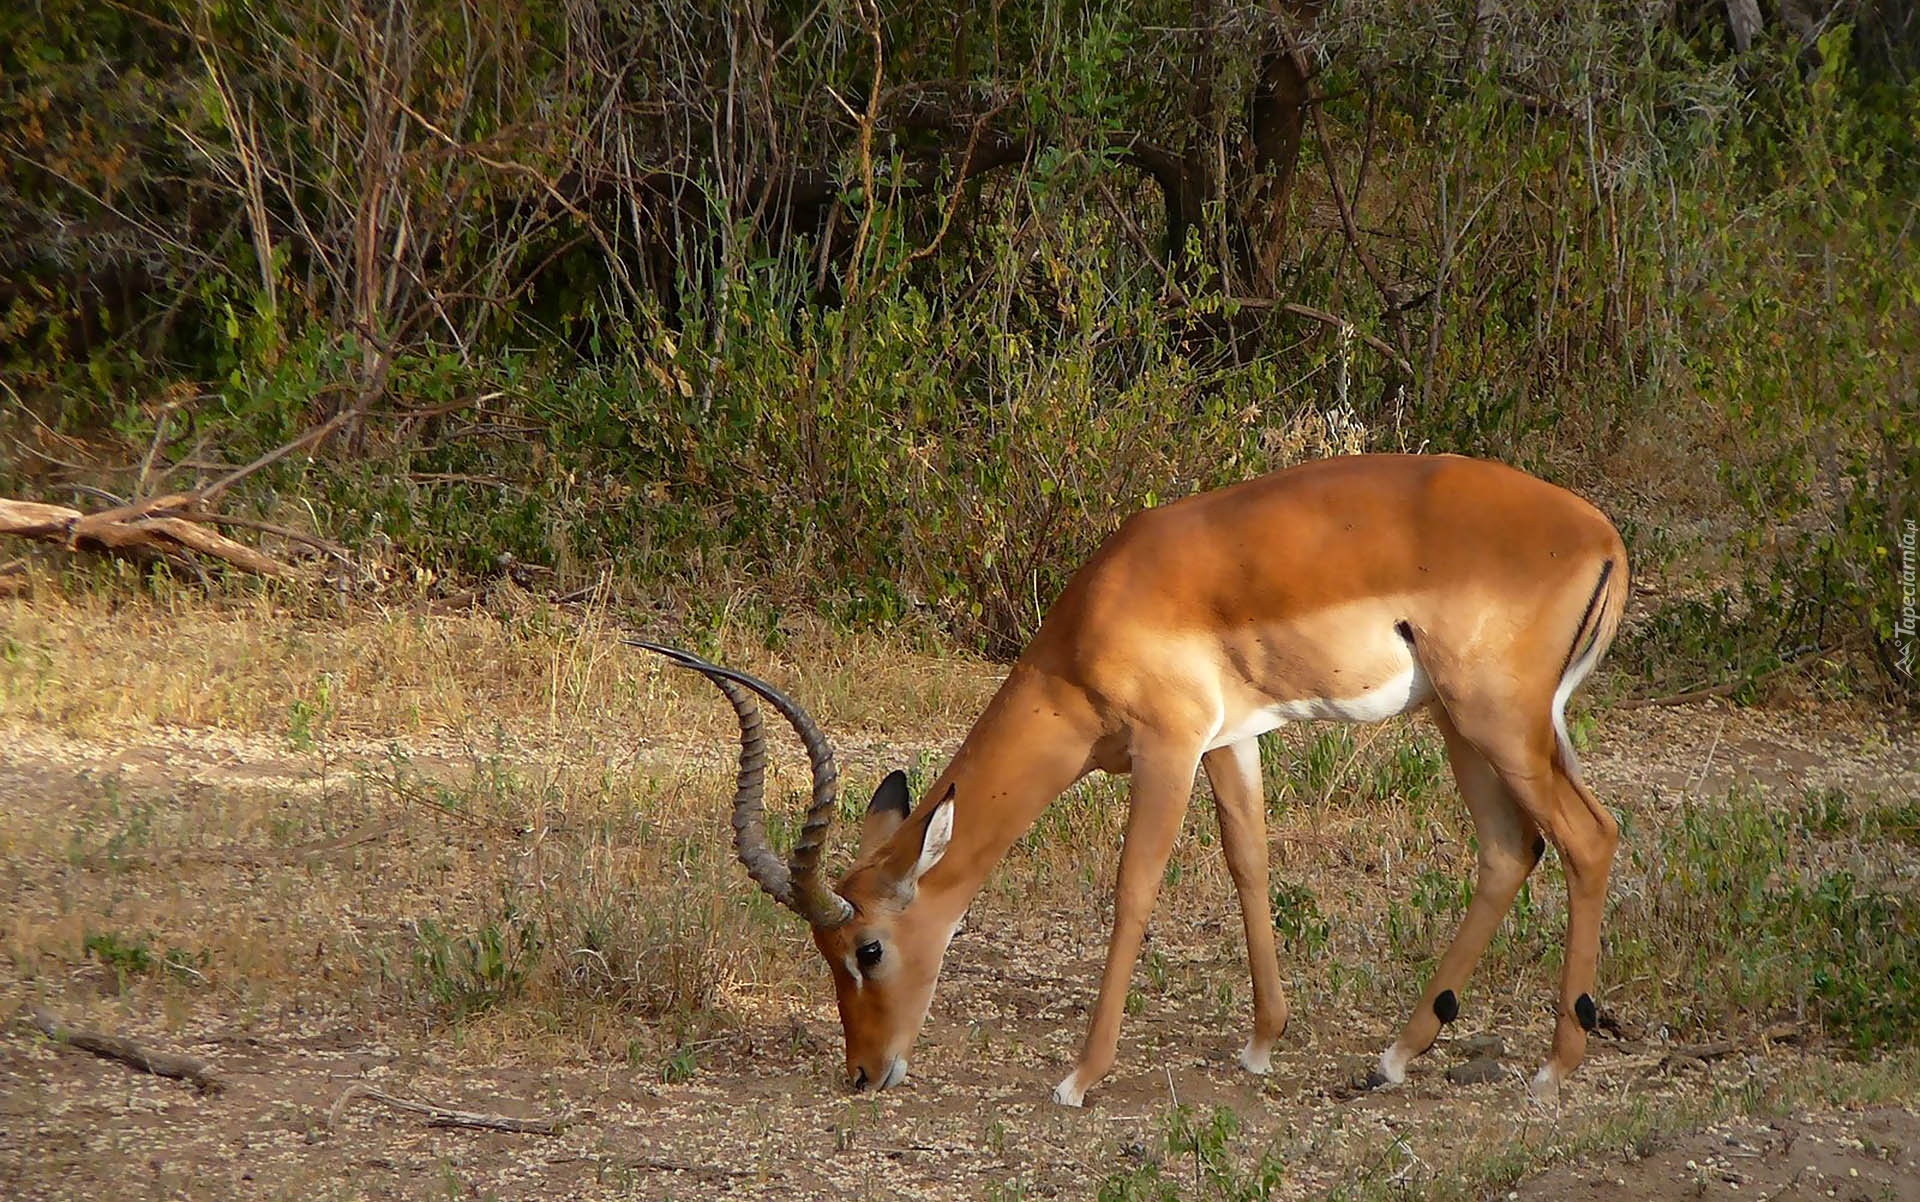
[1476,1072]
[1481,1046]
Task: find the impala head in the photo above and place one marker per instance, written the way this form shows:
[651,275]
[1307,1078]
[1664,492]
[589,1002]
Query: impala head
[883,951]
[886,956]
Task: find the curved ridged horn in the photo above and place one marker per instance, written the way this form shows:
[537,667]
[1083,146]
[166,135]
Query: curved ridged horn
[797,884]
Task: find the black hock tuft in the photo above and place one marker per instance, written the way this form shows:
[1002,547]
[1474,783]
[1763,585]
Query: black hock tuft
[1586,1012]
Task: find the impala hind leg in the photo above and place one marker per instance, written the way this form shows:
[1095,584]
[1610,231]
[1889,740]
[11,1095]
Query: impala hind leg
[1536,768]
[1234,773]
[1510,846]
[1587,837]
[1162,782]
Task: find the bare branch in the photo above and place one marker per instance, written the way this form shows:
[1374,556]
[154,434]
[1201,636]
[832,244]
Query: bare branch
[441,1116]
[113,1047]
[1326,318]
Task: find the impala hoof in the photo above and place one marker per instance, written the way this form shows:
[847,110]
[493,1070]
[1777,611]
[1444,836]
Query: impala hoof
[1070,1093]
[1258,1061]
[1545,1086]
[1390,1071]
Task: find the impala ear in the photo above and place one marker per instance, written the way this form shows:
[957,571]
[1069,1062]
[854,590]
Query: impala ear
[889,808]
[933,844]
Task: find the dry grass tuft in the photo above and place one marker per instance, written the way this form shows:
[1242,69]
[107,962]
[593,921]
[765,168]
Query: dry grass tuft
[90,662]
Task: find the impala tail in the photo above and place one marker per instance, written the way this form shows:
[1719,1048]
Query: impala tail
[1591,638]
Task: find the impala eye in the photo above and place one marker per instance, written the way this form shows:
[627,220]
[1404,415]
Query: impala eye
[868,954]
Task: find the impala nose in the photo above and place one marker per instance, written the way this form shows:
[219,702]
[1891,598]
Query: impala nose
[893,1074]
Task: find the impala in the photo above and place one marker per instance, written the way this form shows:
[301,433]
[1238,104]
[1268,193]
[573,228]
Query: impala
[1351,589]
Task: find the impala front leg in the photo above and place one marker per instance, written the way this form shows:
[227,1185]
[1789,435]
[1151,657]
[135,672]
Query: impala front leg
[1234,773]
[1162,782]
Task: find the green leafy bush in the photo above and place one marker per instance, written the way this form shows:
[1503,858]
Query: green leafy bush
[711,338]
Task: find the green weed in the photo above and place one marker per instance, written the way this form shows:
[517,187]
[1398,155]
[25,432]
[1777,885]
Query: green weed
[1303,929]
[1199,1149]
[136,956]
[680,1066]
[127,957]
[463,974]
[1763,910]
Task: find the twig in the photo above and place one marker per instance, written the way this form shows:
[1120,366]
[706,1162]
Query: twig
[580,594]
[1332,319]
[1732,686]
[375,384]
[153,449]
[322,545]
[441,1116]
[101,493]
[1325,146]
[1340,777]
[1706,763]
[867,119]
[1686,698]
[112,1047]
[459,478]
[960,177]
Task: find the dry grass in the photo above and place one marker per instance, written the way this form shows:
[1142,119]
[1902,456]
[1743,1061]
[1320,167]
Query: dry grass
[497,839]
[94,661]
[501,817]
[506,819]
[551,914]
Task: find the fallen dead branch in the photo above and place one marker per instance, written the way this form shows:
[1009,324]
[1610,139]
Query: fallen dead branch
[113,1047]
[653,1164]
[441,1116]
[1331,319]
[168,526]
[178,526]
[1696,1055]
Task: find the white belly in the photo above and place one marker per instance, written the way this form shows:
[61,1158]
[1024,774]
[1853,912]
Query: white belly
[1406,691]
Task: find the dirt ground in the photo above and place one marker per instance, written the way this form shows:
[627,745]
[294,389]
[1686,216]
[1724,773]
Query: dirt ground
[764,1114]
[1859,1155]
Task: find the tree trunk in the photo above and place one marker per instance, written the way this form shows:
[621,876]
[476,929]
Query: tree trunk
[1276,118]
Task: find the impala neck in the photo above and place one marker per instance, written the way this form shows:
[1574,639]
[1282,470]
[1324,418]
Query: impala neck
[1035,739]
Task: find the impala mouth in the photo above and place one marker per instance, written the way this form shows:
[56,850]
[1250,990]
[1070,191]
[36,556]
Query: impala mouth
[894,1074]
